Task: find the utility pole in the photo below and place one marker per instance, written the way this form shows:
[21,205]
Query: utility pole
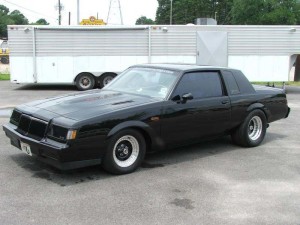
[78,14]
[171,12]
[59,13]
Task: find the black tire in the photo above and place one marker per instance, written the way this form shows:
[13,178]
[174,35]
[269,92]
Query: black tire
[105,79]
[5,60]
[85,81]
[252,131]
[126,151]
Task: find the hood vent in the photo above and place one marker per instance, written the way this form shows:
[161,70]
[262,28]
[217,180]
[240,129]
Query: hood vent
[120,103]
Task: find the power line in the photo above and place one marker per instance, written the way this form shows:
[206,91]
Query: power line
[29,9]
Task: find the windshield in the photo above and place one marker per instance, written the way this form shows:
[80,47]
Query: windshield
[144,81]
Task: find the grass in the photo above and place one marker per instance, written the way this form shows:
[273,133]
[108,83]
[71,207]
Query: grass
[291,83]
[4,76]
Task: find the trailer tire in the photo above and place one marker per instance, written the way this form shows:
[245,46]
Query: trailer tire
[106,78]
[5,60]
[85,81]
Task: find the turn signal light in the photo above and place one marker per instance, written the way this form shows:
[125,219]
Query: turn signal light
[71,134]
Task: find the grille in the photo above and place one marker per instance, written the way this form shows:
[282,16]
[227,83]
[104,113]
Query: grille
[32,127]
[15,117]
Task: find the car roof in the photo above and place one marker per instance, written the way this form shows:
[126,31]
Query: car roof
[180,67]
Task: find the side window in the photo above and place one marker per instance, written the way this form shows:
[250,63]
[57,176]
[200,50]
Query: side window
[200,84]
[244,85]
[231,84]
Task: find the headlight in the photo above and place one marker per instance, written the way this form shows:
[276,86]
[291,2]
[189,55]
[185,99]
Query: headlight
[60,133]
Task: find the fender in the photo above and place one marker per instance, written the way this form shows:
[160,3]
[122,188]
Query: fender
[261,107]
[156,142]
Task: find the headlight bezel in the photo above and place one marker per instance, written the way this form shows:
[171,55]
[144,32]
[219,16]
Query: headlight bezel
[16,114]
[61,134]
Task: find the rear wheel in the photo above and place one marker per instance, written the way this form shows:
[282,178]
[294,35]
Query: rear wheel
[85,81]
[105,79]
[125,152]
[252,131]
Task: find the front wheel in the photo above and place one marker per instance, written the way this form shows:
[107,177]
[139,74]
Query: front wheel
[125,152]
[252,131]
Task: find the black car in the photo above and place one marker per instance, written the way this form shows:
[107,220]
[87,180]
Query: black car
[146,108]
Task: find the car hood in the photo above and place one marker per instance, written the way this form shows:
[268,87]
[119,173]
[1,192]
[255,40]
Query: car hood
[78,106]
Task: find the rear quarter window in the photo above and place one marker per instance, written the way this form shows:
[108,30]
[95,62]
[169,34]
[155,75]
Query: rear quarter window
[244,85]
[231,84]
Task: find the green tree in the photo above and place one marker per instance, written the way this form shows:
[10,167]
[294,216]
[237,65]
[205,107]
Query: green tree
[4,20]
[143,20]
[264,12]
[186,11]
[13,18]
[41,21]
[18,18]
[4,10]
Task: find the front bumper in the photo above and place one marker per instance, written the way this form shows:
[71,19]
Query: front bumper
[56,154]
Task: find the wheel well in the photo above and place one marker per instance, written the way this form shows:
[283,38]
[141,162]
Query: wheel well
[259,106]
[146,136]
[82,74]
[249,111]
[261,109]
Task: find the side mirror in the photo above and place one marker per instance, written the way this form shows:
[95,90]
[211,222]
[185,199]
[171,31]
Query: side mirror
[187,97]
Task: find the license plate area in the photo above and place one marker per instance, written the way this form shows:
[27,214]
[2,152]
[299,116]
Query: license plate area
[26,148]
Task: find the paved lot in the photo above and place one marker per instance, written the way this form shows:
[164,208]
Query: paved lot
[210,183]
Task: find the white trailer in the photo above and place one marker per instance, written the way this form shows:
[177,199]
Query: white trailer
[88,55]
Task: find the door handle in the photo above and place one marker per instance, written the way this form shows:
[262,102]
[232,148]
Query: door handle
[225,102]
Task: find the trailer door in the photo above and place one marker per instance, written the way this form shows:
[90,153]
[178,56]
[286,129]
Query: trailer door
[212,48]
[47,70]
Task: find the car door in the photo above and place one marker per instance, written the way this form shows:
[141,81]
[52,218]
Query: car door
[206,115]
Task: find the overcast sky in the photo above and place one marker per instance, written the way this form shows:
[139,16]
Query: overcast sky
[36,9]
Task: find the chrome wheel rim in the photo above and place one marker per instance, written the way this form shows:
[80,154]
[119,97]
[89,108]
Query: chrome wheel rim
[255,128]
[85,82]
[107,79]
[126,151]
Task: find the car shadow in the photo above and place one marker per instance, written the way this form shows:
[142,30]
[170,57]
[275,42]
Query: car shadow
[272,136]
[292,89]
[157,160]
[49,87]
[40,170]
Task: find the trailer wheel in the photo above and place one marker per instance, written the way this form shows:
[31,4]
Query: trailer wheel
[106,78]
[85,81]
[4,60]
